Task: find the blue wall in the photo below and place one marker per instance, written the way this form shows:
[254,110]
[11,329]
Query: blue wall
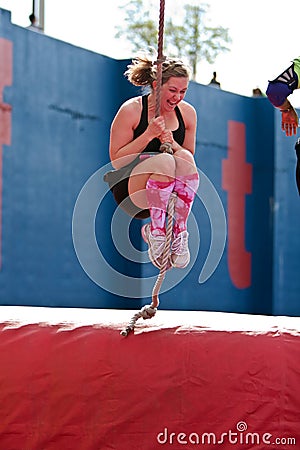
[63,100]
[286,283]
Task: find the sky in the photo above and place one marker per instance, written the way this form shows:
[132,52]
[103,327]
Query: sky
[264,34]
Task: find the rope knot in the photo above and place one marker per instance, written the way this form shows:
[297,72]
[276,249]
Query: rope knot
[147,312]
[166,147]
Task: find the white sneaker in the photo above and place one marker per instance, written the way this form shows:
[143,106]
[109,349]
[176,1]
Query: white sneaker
[180,254]
[156,245]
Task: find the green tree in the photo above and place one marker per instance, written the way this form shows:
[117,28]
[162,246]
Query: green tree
[192,39]
[138,28]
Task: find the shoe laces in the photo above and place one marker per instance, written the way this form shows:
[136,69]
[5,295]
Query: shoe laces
[180,244]
[157,244]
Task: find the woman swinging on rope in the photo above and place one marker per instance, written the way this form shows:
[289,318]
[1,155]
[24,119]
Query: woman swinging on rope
[135,142]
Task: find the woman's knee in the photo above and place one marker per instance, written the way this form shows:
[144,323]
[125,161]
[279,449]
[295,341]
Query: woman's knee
[185,161]
[164,164]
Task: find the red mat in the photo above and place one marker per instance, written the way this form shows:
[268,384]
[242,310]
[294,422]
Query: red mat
[69,381]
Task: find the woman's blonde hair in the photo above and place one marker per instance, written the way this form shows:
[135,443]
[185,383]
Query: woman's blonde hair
[142,70]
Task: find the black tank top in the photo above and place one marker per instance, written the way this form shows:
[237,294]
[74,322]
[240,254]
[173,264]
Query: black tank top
[154,145]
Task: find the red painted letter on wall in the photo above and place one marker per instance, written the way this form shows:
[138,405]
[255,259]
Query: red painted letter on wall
[237,181]
[5,111]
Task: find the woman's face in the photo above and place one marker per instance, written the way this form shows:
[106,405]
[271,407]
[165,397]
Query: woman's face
[172,92]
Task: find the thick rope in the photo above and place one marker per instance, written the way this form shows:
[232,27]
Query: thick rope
[160,57]
[166,252]
[166,146]
[149,311]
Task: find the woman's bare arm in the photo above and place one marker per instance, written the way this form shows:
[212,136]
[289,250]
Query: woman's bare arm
[123,148]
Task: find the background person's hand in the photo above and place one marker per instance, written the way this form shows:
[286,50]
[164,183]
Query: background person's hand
[289,122]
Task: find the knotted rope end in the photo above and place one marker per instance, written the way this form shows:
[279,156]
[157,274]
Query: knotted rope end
[148,311]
